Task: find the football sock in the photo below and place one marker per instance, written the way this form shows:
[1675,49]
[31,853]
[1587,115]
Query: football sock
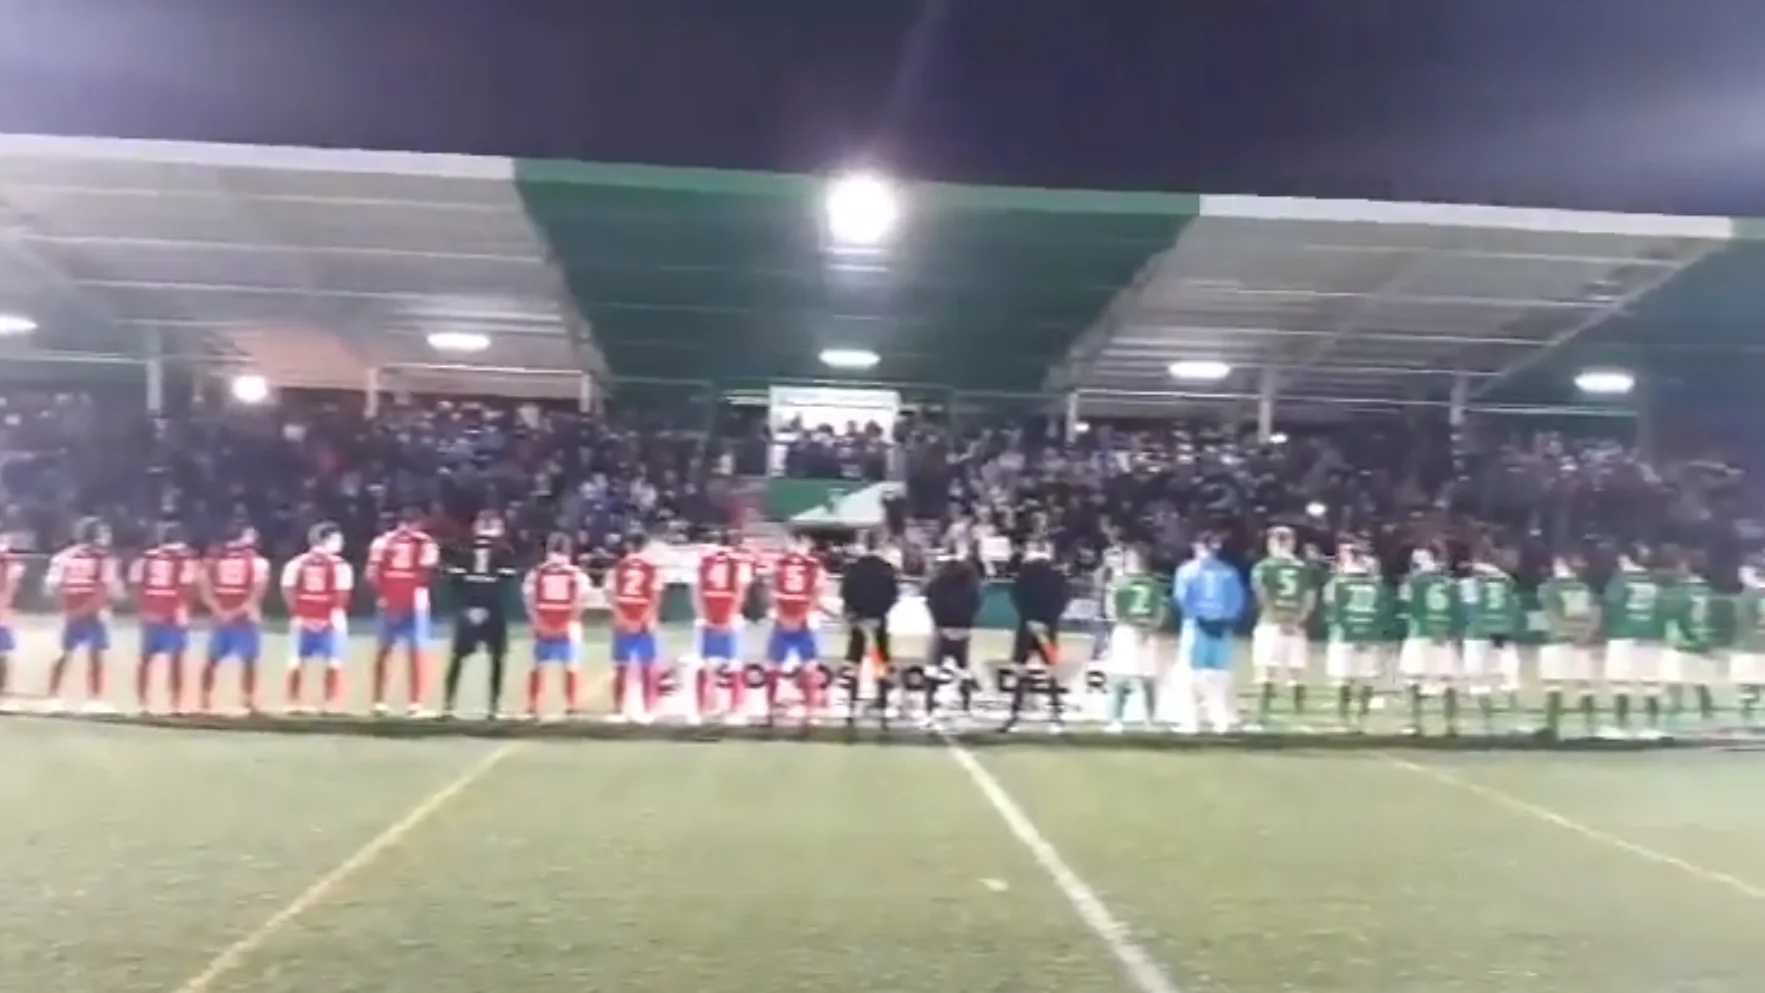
[1149,692]
[573,688]
[380,672]
[702,689]
[1706,703]
[143,682]
[1589,710]
[1449,699]
[1651,705]
[57,675]
[333,686]
[1366,701]
[620,675]
[1553,710]
[450,681]
[1415,693]
[5,675]
[1265,704]
[1344,701]
[494,691]
[248,686]
[175,680]
[1621,709]
[95,678]
[1298,693]
[536,683]
[292,691]
[1749,701]
[416,673]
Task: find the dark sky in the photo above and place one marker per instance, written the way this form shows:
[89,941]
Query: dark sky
[1620,104]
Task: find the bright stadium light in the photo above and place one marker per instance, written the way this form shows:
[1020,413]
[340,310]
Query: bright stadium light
[459,341]
[1278,438]
[1200,370]
[849,358]
[251,388]
[862,211]
[1316,510]
[1605,382]
[16,324]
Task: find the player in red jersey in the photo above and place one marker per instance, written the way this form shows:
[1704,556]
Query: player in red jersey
[634,589]
[164,580]
[556,594]
[723,577]
[317,585]
[401,564]
[796,597]
[12,570]
[235,580]
[85,578]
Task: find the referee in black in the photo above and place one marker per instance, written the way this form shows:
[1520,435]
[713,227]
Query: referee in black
[952,598]
[869,588]
[1039,593]
[482,572]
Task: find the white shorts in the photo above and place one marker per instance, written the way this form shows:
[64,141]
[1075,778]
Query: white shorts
[1274,650]
[1687,668]
[1747,668]
[1420,658]
[1563,663]
[1633,662]
[1482,662]
[1130,652]
[1345,661]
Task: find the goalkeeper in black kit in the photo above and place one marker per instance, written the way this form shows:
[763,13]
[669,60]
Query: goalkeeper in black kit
[952,599]
[1039,594]
[869,588]
[481,572]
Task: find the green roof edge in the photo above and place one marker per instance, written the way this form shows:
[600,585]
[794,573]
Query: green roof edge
[795,185]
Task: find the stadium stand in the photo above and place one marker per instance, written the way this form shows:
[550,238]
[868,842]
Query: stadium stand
[288,336]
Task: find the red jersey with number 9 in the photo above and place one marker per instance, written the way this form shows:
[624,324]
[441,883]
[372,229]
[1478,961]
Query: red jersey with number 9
[796,583]
[637,590]
[165,579]
[722,577]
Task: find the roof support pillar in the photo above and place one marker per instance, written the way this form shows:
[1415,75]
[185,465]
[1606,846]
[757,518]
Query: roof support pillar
[1265,404]
[585,393]
[371,391]
[1459,401]
[1072,415]
[155,372]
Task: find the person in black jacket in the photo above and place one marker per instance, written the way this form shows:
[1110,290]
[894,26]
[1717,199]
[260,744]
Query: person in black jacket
[952,599]
[869,588]
[481,571]
[1039,594]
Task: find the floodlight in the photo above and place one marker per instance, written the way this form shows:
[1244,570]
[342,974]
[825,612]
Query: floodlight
[1316,509]
[1200,370]
[16,324]
[849,358]
[862,211]
[1278,438]
[1605,382]
[459,341]
[250,388]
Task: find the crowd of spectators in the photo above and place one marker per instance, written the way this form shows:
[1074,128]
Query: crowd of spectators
[316,456]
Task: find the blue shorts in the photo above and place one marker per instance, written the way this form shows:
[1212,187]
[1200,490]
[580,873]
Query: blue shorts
[718,645]
[240,640]
[8,644]
[634,647]
[1209,654]
[410,629]
[563,651]
[90,633]
[159,638]
[318,644]
[786,644]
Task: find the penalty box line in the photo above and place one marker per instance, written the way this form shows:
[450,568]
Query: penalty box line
[1144,971]
[1606,839]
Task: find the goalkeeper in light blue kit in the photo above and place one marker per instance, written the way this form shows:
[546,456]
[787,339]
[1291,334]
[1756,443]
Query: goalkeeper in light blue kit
[1209,594]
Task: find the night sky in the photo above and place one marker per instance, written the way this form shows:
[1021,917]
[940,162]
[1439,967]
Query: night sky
[1618,104]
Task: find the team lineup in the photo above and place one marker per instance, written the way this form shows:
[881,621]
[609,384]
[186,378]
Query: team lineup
[1445,644]
[169,581]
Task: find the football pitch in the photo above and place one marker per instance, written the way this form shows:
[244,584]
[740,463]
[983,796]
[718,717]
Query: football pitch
[181,860]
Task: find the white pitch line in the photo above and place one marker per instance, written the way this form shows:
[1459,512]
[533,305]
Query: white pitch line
[1587,831]
[235,955]
[1147,975]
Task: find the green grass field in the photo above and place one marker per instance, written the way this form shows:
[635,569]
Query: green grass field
[179,860]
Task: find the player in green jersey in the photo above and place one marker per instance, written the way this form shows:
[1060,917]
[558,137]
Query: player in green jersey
[1747,661]
[1572,628]
[1357,609]
[1635,629]
[1285,596]
[1690,655]
[1430,601]
[1489,602]
[1136,607]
